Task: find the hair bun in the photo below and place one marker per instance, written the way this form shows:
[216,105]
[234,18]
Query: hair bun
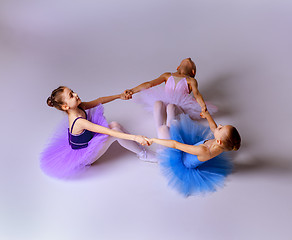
[50,102]
[236,147]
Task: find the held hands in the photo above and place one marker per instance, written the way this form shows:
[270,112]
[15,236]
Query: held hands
[204,114]
[128,93]
[123,96]
[142,140]
[204,108]
[149,140]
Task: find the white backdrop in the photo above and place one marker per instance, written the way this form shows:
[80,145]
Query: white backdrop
[242,50]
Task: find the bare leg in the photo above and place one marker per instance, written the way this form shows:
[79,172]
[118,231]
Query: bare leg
[159,113]
[163,117]
[163,126]
[163,132]
[129,145]
[172,112]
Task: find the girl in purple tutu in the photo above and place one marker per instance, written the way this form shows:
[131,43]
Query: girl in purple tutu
[83,139]
[195,160]
[177,90]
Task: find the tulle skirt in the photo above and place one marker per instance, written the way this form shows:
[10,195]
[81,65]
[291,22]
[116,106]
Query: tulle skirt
[206,177]
[186,102]
[59,160]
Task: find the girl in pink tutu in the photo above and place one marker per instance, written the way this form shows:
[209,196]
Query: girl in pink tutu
[83,139]
[177,90]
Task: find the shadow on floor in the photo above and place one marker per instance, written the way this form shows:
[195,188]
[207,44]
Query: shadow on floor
[261,165]
[104,164]
[217,91]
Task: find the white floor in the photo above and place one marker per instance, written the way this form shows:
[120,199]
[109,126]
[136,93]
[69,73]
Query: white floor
[243,54]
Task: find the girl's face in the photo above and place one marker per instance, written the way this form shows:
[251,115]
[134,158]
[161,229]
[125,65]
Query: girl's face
[71,98]
[221,132]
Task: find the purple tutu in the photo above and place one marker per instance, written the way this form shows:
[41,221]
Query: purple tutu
[58,158]
[171,94]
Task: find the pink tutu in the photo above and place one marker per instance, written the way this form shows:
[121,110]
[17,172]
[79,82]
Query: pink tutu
[171,94]
[58,158]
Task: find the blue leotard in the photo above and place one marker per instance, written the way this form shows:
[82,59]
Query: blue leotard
[184,171]
[190,160]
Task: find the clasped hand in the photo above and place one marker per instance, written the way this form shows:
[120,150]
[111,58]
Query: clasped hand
[127,94]
[143,140]
[204,114]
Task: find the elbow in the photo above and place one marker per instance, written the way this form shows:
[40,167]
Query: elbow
[196,94]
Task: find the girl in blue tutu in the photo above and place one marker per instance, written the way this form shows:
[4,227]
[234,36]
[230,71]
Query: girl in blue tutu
[195,160]
[85,135]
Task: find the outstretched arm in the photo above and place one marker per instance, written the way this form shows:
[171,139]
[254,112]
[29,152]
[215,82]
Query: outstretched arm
[210,120]
[198,96]
[195,150]
[101,100]
[104,130]
[162,78]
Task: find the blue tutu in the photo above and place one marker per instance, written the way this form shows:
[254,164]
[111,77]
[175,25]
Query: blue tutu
[191,178]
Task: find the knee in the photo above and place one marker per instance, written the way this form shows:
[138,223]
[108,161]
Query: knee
[158,105]
[164,128]
[115,125]
[171,108]
[163,131]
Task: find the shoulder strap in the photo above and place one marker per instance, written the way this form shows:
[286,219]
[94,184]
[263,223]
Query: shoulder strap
[74,123]
[84,112]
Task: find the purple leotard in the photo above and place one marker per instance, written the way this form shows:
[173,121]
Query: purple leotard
[62,158]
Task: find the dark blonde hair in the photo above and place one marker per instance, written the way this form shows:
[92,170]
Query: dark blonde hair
[233,140]
[56,100]
[188,66]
